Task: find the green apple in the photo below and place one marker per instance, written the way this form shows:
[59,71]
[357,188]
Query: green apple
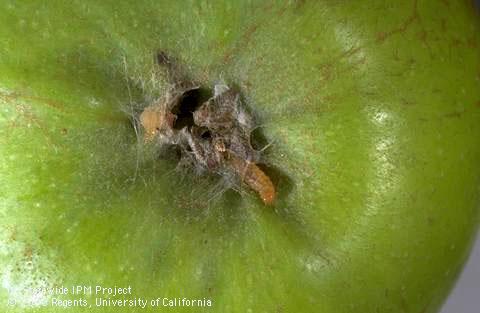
[373,111]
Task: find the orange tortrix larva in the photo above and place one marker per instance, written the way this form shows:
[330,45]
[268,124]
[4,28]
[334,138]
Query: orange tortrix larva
[255,178]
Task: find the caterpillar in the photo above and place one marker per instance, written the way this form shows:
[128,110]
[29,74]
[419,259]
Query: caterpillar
[254,177]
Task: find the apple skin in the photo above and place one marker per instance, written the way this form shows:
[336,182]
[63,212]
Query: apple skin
[374,109]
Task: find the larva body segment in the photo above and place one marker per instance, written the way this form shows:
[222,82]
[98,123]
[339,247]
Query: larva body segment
[255,178]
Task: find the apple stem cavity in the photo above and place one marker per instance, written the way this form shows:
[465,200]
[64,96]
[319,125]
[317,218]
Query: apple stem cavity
[211,129]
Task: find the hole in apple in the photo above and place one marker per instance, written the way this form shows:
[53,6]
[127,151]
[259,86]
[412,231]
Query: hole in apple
[205,134]
[258,139]
[189,103]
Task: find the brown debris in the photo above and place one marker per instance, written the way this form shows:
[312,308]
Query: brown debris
[213,135]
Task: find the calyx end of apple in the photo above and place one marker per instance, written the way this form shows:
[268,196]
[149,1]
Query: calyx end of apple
[208,129]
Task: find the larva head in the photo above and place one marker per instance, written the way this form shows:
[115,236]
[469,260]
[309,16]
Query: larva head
[268,197]
[154,121]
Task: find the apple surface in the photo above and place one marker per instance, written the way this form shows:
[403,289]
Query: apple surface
[372,112]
